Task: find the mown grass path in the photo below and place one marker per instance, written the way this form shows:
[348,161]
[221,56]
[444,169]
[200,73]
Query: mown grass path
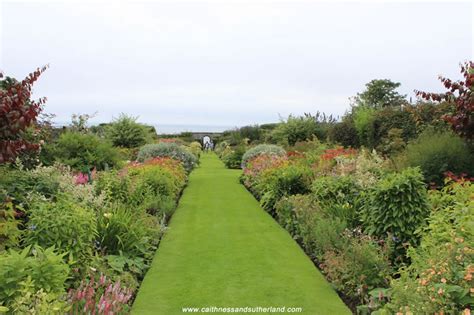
[223,250]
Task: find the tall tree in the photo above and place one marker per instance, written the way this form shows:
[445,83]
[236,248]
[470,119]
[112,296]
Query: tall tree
[379,94]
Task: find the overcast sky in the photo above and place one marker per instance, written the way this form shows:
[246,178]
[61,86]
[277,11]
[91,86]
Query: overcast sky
[226,63]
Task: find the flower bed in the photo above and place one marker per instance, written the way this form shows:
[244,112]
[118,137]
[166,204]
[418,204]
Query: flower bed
[74,243]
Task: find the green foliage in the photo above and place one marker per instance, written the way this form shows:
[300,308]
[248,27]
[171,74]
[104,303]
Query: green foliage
[232,158]
[42,269]
[284,181]
[9,232]
[344,133]
[64,224]
[389,118]
[379,94]
[262,149]
[195,148]
[83,152]
[302,128]
[246,133]
[303,218]
[30,301]
[393,143]
[17,184]
[126,132]
[123,231]
[364,123]
[338,197]
[114,187]
[353,262]
[396,206]
[441,274]
[171,150]
[436,153]
[359,267]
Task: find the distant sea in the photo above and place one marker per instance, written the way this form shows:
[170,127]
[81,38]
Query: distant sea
[173,129]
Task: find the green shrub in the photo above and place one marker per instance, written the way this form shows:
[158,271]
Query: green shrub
[126,132]
[171,150]
[436,153]
[306,221]
[290,213]
[344,133]
[64,224]
[232,158]
[114,187]
[396,206]
[262,149]
[122,231]
[338,196]
[284,181]
[359,267]
[393,117]
[364,123]
[440,277]
[17,184]
[195,148]
[83,152]
[42,269]
[9,232]
[301,128]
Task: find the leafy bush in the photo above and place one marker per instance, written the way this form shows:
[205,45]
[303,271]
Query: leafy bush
[440,277]
[126,132]
[83,152]
[64,224]
[9,232]
[17,184]
[353,262]
[344,133]
[303,218]
[30,301]
[195,148]
[127,232]
[389,118]
[171,150]
[436,153]
[338,197]
[42,269]
[396,206]
[232,158]
[361,266]
[364,123]
[302,128]
[284,181]
[262,149]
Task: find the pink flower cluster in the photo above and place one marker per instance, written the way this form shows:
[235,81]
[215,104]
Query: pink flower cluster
[103,297]
[83,178]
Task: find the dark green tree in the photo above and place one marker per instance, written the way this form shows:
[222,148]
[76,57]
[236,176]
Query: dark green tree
[379,94]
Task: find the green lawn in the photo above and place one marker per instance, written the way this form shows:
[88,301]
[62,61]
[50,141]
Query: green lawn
[223,250]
